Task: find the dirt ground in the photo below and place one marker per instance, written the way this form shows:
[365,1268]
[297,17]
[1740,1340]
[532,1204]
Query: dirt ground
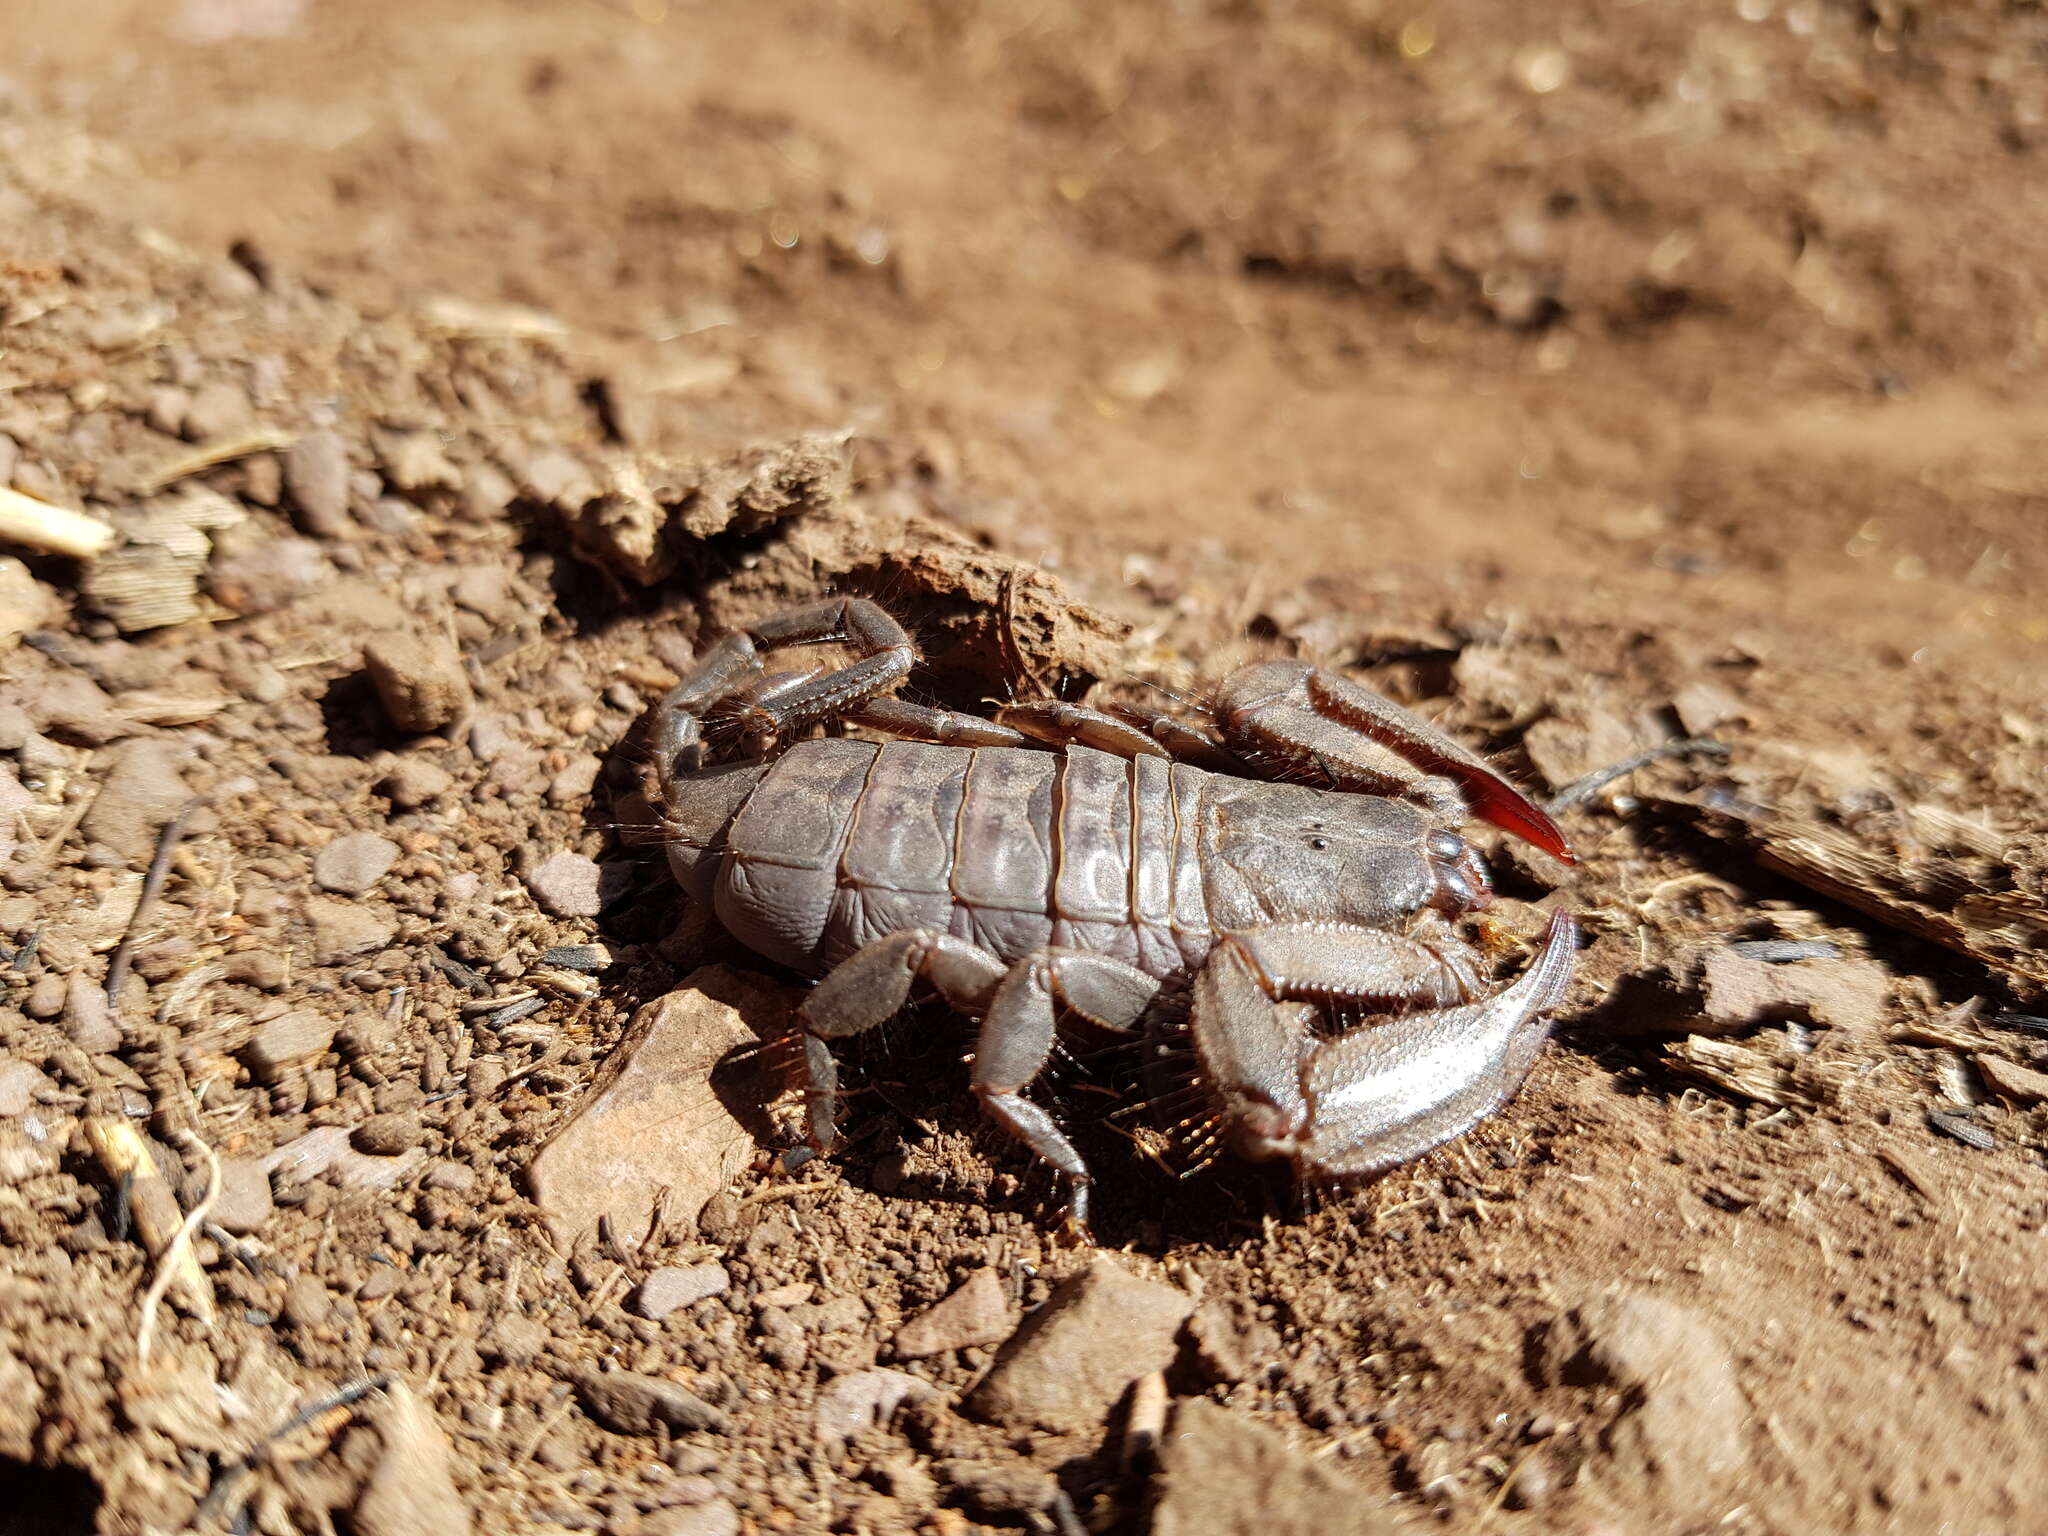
[1585,376]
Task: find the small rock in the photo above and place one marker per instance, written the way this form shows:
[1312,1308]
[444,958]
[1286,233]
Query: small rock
[26,604]
[410,1489]
[1702,706]
[243,1205]
[714,1517]
[1221,1474]
[19,1085]
[218,410]
[977,1312]
[72,706]
[259,968]
[264,577]
[15,727]
[307,1303]
[387,1135]
[657,1123]
[413,782]
[21,1404]
[419,678]
[670,1287]
[994,1489]
[567,886]
[285,1042]
[1678,1437]
[88,1019]
[573,784]
[2010,1080]
[342,929]
[143,789]
[634,1404]
[316,473]
[354,863]
[515,1339]
[46,998]
[860,1400]
[1065,1368]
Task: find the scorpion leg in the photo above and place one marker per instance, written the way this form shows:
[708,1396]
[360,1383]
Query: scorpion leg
[1311,723]
[946,727]
[1016,1039]
[887,656]
[1379,1095]
[870,987]
[1066,725]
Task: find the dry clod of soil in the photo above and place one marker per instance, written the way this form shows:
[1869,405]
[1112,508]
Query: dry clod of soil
[978,1312]
[1098,1332]
[410,1490]
[412,782]
[21,1400]
[342,929]
[26,604]
[143,789]
[993,1489]
[672,1286]
[243,1205]
[714,1517]
[316,474]
[1677,1423]
[567,885]
[263,576]
[1741,992]
[653,1122]
[15,727]
[419,678]
[858,1401]
[285,1042]
[644,1405]
[72,707]
[19,1085]
[352,864]
[515,1338]
[1222,1474]
[387,1135]
[1230,1341]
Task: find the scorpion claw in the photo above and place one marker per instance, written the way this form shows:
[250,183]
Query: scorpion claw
[1384,1095]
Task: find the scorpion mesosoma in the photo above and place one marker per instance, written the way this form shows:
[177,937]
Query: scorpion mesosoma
[1058,856]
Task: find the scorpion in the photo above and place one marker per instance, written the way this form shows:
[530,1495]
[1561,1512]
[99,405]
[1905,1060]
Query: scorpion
[1301,857]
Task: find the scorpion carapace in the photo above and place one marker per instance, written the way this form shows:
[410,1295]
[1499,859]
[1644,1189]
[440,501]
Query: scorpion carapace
[1063,857]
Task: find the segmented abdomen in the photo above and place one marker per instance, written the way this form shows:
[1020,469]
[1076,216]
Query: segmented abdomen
[1010,849]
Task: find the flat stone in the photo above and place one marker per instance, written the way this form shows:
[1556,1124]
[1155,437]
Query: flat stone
[860,1400]
[410,1488]
[285,1042]
[977,1312]
[243,1205]
[567,886]
[634,1404]
[672,1286]
[343,929]
[1098,1332]
[1222,1474]
[2010,1080]
[352,864]
[653,1122]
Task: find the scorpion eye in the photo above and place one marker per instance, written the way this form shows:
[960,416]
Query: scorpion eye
[1446,845]
[1319,843]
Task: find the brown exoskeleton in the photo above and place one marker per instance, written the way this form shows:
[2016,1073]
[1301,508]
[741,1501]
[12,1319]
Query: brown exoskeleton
[1062,856]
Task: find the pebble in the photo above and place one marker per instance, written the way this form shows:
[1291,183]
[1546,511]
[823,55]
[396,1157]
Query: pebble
[265,577]
[977,1312]
[144,787]
[412,782]
[218,410]
[410,1488]
[286,1041]
[19,1085]
[387,1135]
[352,864]
[45,999]
[672,1286]
[15,727]
[326,1149]
[573,784]
[307,1303]
[316,473]
[860,1400]
[88,1019]
[260,968]
[243,1205]
[515,1339]
[567,886]
[342,929]
[1680,1434]
[420,678]
[1065,1368]
[714,1517]
[1222,1474]
[634,1404]
[994,1489]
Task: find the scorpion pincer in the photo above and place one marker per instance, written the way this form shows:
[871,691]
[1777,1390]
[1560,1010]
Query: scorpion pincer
[1303,857]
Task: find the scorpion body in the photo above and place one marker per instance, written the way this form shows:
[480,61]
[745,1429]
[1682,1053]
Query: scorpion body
[1061,857]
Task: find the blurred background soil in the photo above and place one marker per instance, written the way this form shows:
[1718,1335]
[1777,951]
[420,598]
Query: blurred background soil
[1585,375]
